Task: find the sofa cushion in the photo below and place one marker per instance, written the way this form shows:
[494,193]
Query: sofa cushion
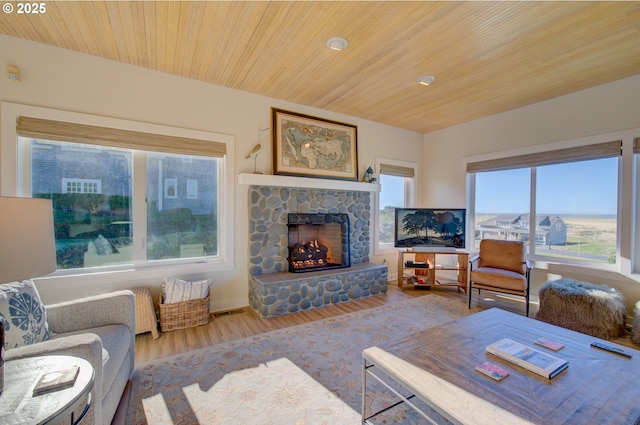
[24,314]
[116,341]
[103,246]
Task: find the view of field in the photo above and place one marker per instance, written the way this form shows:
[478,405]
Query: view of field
[588,238]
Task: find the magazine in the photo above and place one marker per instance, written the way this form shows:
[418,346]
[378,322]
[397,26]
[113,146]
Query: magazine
[542,363]
[494,371]
[546,342]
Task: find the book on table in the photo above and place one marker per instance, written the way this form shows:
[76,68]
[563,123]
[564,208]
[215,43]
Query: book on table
[530,358]
[57,380]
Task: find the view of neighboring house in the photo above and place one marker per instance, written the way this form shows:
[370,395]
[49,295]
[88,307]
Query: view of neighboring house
[549,229]
[91,189]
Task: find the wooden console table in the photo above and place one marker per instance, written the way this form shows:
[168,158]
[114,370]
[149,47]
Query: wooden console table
[438,366]
[425,265]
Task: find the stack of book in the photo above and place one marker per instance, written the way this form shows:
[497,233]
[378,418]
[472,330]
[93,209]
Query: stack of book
[530,358]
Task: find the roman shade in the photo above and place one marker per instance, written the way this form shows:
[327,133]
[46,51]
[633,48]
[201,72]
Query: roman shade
[39,128]
[559,156]
[397,170]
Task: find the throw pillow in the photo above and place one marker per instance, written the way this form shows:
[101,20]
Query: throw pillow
[103,246]
[25,318]
[176,290]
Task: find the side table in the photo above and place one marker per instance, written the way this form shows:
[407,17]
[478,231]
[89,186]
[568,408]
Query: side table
[146,320]
[69,405]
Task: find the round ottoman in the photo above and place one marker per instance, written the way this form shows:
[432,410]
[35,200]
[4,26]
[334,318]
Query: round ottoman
[596,310]
[635,330]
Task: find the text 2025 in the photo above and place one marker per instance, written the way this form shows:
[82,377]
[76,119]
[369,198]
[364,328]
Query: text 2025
[31,8]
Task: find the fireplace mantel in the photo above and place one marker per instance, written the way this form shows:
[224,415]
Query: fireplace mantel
[250,179]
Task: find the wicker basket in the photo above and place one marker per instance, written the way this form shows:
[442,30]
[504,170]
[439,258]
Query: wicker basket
[184,314]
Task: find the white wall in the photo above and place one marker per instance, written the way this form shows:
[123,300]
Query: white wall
[603,109]
[66,80]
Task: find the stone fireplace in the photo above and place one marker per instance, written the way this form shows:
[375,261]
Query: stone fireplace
[318,242]
[273,289]
[269,209]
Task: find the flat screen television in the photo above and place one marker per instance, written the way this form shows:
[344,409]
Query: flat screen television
[430,228]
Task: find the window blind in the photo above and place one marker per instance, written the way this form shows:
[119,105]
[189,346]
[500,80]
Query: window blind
[39,128]
[397,170]
[559,156]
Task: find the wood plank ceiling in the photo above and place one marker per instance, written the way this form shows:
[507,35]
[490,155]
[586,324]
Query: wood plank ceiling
[487,57]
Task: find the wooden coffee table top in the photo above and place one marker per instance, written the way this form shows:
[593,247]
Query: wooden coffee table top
[598,387]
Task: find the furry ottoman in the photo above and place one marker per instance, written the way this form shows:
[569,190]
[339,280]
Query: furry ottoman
[596,310]
[635,330]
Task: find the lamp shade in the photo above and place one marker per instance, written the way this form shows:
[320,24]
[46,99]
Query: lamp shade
[27,244]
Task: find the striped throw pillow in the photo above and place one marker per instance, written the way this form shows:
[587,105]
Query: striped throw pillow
[177,290]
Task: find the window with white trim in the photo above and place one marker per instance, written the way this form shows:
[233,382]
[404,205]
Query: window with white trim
[397,190]
[81,185]
[563,203]
[98,220]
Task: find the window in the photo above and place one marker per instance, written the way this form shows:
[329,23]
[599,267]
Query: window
[563,203]
[91,227]
[108,193]
[397,189]
[577,220]
[179,225]
[502,205]
[96,229]
[81,186]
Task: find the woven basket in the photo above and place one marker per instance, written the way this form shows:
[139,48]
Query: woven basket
[184,314]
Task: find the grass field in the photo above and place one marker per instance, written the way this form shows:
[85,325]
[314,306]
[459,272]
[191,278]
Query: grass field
[592,238]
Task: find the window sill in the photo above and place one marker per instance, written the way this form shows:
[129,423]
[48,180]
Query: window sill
[130,272]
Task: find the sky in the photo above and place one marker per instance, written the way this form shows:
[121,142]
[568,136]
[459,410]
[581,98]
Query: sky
[393,191]
[583,187]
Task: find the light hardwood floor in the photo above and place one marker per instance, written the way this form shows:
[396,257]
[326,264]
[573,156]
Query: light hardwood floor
[247,322]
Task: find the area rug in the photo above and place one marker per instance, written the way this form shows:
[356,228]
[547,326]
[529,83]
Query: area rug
[329,351]
[274,393]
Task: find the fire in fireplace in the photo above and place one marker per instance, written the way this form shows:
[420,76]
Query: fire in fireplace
[318,241]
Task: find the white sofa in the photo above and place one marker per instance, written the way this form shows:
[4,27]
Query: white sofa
[100,329]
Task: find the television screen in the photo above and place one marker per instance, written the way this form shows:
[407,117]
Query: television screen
[429,228]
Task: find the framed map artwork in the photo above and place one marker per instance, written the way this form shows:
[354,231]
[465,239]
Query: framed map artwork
[313,147]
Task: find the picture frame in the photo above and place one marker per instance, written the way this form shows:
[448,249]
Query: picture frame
[308,146]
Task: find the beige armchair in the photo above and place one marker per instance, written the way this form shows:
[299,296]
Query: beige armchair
[501,267]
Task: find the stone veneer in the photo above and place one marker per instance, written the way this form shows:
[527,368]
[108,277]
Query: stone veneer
[283,293]
[276,294]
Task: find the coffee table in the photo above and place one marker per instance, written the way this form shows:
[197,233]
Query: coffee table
[438,367]
[18,405]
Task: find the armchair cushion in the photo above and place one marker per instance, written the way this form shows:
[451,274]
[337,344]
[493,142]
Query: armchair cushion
[25,315]
[503,279]
[507,255]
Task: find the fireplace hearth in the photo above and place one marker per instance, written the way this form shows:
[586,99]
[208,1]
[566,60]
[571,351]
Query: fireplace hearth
[318,242]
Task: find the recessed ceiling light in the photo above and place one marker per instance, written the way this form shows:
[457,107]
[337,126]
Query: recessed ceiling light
[426,80]
[337,43]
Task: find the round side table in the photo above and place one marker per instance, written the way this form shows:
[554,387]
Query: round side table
[18,404]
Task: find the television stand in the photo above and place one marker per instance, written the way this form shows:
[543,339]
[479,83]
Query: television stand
[419,268]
